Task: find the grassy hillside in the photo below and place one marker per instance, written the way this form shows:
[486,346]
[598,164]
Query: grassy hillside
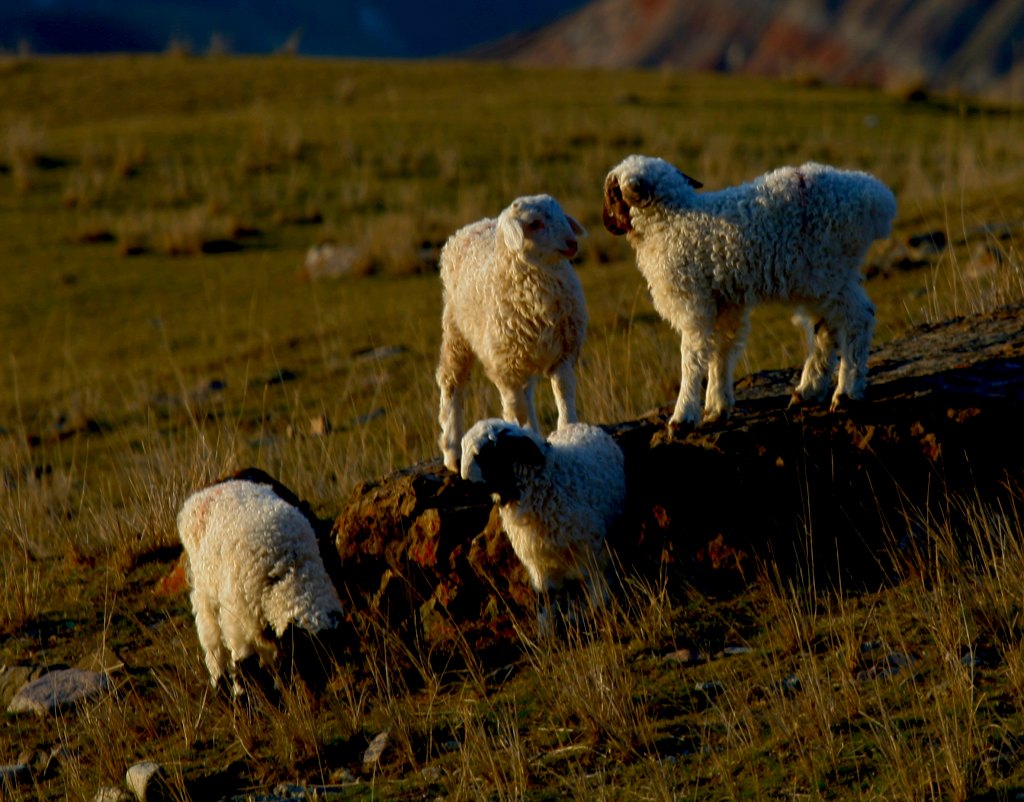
[157,330]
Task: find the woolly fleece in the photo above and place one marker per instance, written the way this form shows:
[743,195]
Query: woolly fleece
[559,524]
[796,234]
[512,299]
[254,564]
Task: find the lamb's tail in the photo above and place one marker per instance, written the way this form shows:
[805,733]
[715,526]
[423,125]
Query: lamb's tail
[880,205]
[865,204]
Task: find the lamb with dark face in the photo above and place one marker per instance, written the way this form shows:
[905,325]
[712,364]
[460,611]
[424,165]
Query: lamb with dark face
[558,498]
[503,459]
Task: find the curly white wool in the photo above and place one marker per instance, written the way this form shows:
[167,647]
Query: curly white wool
[797,234]
[254,564]
[512,299]
[558,499]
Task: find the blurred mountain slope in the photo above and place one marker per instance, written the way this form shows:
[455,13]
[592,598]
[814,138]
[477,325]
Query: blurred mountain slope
[968,46]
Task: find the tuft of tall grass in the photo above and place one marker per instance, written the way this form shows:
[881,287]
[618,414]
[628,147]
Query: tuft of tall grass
[493,761]
[26,142]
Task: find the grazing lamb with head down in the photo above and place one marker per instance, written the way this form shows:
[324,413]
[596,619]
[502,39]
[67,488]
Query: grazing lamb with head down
[558,499]
[797,234]
[512,299]
[256,574]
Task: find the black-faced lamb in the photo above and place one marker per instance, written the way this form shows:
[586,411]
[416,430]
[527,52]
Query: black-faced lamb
[558,500]
[797,234]
[512,299]
[259,586]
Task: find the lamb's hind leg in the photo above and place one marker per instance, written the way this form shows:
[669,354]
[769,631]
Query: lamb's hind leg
[820,362]
[517,404]
[215,653]
[731,327]
[563,385]
[452,374]
[857,313]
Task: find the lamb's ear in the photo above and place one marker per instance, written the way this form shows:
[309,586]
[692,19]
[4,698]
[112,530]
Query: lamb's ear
[693,182]
[520,451]
[616,211]
[638,191]
[510,231]
[576,226]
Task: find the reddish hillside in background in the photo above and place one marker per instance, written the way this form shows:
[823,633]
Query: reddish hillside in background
[956,46]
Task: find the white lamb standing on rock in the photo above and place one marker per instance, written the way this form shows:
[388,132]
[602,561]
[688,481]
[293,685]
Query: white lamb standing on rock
[256,572]
[558,500]
[512,299]
[797,234]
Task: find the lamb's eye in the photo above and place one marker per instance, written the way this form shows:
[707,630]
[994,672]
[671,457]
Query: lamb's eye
[535,225]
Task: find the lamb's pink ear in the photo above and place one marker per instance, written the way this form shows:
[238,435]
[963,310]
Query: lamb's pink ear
[510,231]
[576,226]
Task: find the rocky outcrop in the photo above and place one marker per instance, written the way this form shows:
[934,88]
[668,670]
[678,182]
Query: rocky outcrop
[424,551]
[844,495]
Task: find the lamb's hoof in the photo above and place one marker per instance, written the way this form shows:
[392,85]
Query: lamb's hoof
[711,418]
[844,403]
[674,432]
[682,428]
[800,400]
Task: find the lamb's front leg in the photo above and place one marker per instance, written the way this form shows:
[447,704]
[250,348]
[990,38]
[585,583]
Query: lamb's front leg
[453,369]
[694,348]
[563,385]
[452,419]
[731,327]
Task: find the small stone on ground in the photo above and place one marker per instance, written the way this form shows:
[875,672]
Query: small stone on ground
[57,690]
